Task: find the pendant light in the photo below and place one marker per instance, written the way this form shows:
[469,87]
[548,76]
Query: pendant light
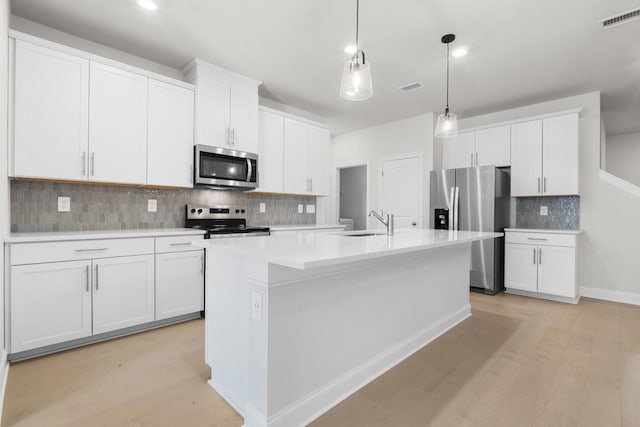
[356,75]
[447,125]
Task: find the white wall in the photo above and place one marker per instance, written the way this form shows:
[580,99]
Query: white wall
[412,135]
[608,215]
[4,181]
[623,155]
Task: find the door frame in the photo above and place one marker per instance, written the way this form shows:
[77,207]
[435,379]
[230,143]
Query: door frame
[350,164]
[410,155]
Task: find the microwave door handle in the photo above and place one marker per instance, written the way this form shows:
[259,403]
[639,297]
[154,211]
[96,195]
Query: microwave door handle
[249,170]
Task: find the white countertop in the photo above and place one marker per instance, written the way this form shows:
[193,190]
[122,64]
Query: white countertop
[536,230]
[326,249]
[57,236]
[303,227]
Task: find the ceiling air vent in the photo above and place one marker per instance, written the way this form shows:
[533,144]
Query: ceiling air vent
[623,18]
[410,87]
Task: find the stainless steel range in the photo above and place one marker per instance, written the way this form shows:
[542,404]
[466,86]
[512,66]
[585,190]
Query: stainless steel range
[222,221]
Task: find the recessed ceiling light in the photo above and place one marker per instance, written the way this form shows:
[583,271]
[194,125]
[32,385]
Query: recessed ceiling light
[459,52]
[147,4]
[350,49]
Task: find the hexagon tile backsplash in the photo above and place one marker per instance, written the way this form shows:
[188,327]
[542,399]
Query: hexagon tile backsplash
[34,207]
[563,213]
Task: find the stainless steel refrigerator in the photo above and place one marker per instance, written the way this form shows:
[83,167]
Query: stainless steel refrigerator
[475,199]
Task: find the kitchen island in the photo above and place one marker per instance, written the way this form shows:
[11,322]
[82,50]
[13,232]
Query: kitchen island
[296,323]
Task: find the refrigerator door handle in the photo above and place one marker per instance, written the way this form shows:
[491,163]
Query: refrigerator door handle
[452,208]
[456,212]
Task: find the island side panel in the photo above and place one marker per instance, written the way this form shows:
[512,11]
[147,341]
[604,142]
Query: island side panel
[331,333]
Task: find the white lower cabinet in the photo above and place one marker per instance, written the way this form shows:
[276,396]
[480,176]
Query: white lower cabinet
[123,292]
[50,303]
[179,283]
[540,264]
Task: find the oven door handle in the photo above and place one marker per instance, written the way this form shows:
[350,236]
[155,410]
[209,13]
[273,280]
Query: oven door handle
[249,170]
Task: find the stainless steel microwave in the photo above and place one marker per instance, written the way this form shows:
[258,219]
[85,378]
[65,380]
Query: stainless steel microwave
[223,168]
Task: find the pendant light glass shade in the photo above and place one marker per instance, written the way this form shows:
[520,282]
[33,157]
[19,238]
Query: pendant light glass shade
[447,125]
[356,82]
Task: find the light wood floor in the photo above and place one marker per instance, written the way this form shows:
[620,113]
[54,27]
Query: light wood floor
[516,362]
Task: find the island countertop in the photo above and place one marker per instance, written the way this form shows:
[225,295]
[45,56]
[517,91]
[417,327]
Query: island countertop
[326,249]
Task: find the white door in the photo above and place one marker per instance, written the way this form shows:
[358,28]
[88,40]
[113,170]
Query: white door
[271,153]
[170,145]
[560,155]
[117,125]
[526,159]
[557,271]
[51,113]
[493,146]
[50,304]
[179,283]
[123,292]
[458,152]
[212,112]
[402,191]
[296,157]
[521,267]
[244,118]
[319,152]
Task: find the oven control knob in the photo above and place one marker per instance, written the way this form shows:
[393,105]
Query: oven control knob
[242,211]
[193,211]
[237,210]
[199,211]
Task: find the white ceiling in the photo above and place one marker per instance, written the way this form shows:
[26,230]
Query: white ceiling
[520,51]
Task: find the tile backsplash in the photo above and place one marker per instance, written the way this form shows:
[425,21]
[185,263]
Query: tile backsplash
[34,207]
[563,213]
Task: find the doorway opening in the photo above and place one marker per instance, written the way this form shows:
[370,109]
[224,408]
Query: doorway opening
[352,196]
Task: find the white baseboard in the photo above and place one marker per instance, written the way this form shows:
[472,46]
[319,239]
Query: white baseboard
[310,407]
[609,295]
[4,374]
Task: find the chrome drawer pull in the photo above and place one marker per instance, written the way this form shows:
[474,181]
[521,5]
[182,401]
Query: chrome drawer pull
[180,244]
[91,250]
[539,239]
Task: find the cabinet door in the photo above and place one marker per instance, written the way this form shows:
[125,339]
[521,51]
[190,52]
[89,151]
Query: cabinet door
[526,159]
[212,112]
[123,292]
[170,145]
[557,271]
[271,153]
[50,304]
[50,113]
[244,118]
[493,146]
[560,155]
[521,267]
[117,125]
[296,157]
[179,283]
[319,152]
[457,152]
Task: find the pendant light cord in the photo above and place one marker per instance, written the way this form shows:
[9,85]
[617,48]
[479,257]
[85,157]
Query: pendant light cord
[447,107]
[357,24]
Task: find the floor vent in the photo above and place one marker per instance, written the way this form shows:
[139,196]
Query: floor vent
[623,18]
[410,87]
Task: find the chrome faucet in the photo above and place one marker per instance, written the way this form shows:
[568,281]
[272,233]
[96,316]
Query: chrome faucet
[387,223]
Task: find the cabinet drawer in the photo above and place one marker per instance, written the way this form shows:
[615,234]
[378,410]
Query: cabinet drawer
[177,243]
[551,239]
[33,253]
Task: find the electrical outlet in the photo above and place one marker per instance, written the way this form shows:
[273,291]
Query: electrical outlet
[256,306]
[152,205]
[300,208]
[64,204]
[263,207]
[311,209]
[544,211]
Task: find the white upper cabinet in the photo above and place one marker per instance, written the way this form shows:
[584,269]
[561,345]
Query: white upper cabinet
[458,151]
[51,96]
[493,146]
[526,159]
[170,135]
[296,157]
[319,153]
[226,107]
[270,152]
[560,155]
[117,125]
[544,157]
